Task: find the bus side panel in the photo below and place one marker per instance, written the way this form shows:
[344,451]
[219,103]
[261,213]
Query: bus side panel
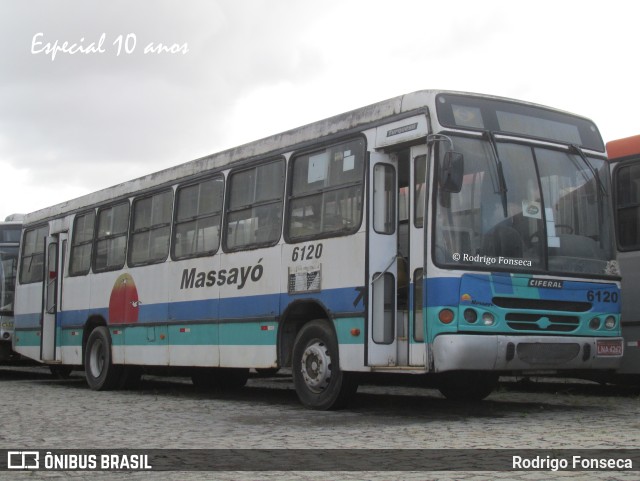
[194,307]
[331,273]
[72,318]
[249,305]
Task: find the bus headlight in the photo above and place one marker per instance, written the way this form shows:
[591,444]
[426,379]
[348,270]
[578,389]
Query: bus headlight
[470,316]
[594,323]
[488,319]
[610,322]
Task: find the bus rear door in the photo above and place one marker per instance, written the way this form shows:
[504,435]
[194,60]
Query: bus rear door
[52,294]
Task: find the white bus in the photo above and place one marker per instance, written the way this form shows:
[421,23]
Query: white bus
[457,235]
[624,155]
[9,245]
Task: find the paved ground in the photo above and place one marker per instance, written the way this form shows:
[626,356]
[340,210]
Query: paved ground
[46,413]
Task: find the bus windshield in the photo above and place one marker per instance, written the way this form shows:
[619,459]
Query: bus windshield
[8,266]
[525,208]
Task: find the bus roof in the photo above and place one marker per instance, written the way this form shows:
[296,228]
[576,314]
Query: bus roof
[620,148]
[289,140]
[295,139]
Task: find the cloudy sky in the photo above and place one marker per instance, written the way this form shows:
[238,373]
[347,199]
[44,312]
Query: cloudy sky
[244,69]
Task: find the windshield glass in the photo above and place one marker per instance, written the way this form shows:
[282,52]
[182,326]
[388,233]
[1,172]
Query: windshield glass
[8,266]
[531,209]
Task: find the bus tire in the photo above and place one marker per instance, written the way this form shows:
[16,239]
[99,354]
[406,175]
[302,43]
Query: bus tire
[101,373]
[319,382]
[467,385]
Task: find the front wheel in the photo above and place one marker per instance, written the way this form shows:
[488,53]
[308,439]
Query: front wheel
[318,380]
[101,373]
[467,385]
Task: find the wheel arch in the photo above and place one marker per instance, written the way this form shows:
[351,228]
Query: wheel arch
[93,322]
[296,315]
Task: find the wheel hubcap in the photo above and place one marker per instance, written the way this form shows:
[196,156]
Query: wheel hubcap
[96,360]
[316,366]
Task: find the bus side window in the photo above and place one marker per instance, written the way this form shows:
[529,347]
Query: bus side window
[82,243]
[325,192]
[111,238]
[151,227]
[198,216]
[254,212]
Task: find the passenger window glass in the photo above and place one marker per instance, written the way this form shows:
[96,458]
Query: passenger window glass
[149,241]
[111,240]
[326,192]
[82,244]
[384,199]
[197,224]
[383,308]
[254,215]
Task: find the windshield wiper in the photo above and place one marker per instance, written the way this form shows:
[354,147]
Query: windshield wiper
[502,183]
[594,172]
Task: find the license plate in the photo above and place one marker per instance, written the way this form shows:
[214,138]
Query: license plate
[609,347]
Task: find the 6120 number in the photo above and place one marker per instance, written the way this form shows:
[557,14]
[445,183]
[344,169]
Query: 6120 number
[307,253]
[602,296]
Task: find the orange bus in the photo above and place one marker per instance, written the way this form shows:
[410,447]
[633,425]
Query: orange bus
[624,155]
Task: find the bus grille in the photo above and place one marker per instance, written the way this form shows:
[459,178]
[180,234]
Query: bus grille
[541,322]
[541,354]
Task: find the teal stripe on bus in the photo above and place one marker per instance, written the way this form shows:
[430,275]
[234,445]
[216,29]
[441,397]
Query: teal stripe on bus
[27,338]
[348,330]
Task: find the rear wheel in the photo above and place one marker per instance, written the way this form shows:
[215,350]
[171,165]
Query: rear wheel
[318,380]
[467,385]
[101,373]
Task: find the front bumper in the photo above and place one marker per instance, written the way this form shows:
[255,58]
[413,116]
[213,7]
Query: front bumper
[453,352]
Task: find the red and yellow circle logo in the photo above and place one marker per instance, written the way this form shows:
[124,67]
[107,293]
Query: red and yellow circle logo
[124,302]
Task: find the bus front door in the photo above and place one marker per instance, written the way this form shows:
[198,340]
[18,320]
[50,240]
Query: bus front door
[396,330]
[382,261]
[52,289]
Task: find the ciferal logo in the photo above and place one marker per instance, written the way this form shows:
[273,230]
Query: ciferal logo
[23,460]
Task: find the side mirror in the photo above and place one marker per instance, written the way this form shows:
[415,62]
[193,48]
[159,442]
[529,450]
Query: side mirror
[451,171]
